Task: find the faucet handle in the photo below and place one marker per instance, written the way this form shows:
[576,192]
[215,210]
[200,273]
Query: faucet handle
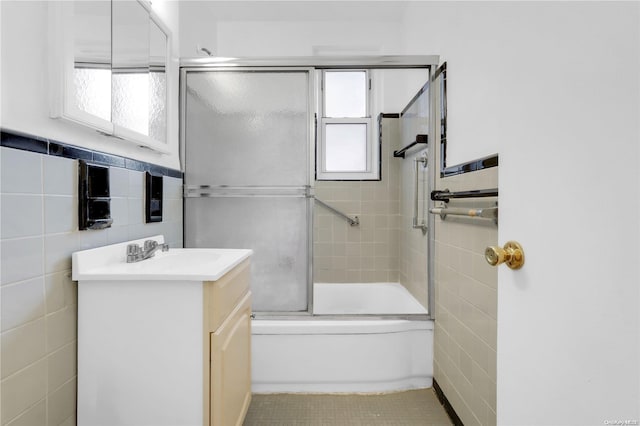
[133,251]
[150,245]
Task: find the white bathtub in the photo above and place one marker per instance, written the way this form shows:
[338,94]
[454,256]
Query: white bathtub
[318,355]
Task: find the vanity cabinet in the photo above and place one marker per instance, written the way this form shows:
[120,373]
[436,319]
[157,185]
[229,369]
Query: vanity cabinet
[165,341]
[228,315]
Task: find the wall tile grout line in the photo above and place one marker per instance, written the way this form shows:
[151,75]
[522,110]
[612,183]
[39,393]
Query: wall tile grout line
[41,296]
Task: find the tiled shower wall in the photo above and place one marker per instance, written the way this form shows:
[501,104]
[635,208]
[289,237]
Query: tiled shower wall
[369,252]
[466,303]
[39,231]
[413,243]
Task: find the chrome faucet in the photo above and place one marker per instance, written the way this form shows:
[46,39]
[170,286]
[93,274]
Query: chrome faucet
[135,253]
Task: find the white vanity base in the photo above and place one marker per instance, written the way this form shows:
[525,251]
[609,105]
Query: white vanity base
[148,330]
[140,352]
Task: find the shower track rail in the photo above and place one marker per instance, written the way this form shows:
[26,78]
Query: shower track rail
[225,191]
[207,191]
[352,221]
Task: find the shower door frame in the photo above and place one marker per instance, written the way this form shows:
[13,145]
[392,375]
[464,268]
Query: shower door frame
[310,64]
[310,166]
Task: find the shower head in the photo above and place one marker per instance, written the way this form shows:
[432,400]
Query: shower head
[205,50]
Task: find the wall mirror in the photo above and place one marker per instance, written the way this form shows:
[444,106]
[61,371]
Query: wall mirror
[91,88]
[108,68]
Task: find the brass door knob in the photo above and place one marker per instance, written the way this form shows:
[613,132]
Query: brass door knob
[512,254]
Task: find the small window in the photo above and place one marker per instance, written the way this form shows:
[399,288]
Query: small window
[346,147]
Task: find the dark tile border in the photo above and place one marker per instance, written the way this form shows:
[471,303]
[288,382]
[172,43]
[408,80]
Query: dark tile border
[471,166]
[446,404]
[26,142]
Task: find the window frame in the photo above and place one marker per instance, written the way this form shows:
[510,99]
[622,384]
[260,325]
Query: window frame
[372,161]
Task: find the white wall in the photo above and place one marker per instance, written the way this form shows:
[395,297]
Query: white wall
[25,98]
[284,28]
[553,88]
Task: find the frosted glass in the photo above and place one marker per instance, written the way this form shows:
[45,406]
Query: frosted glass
[157,83]
[93,91]
[345,147]
[415,120]
[247,128]
[92,57]
[345,94]
[130,66]
[274,228]
[131,101]
[157,106]
[251,130]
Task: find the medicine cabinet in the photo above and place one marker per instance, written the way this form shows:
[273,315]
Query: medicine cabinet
[108,68]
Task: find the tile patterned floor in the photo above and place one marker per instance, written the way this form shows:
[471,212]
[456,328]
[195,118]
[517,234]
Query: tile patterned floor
[419,407]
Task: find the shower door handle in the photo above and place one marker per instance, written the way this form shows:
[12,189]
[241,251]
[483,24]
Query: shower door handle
[416,225]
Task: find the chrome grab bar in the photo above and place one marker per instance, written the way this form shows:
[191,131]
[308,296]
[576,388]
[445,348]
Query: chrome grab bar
[416,225]
[225,191]
[352,221]
[485,212]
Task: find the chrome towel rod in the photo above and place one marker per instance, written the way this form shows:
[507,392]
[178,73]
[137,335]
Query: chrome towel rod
[352,221]
[445,195]
[486,212]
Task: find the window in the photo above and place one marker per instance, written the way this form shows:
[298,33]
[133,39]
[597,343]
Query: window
[346,145]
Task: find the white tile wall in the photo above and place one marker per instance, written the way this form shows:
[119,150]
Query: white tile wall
[413,243]
[39,301]
[466,305]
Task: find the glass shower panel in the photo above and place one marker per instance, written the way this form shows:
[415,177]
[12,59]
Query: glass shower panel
[250,128]
[275,228]
[247,173]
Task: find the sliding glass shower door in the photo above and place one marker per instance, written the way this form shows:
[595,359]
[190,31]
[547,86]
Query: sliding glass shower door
[247,175]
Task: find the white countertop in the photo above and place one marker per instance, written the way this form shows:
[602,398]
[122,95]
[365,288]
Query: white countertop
[190,264]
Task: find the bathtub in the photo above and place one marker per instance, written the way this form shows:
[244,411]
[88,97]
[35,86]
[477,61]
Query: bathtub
[365,354]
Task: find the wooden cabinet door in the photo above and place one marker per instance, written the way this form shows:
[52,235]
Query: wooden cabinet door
[230,372]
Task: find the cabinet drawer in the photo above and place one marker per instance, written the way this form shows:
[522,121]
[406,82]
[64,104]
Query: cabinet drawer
[223,295]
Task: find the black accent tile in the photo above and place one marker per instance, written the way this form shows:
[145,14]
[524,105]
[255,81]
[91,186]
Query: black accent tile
[67,151]
[108,160]
[17,140]
[26,142]
[175,173]
[471,166]
[388,115]
[156,170]
[134,165]
[447,405]
[490,162]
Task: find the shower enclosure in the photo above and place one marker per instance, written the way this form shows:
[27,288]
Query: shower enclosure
[248,175]
[248,136]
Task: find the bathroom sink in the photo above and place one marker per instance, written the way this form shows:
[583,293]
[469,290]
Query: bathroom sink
[148,330]
[191,264]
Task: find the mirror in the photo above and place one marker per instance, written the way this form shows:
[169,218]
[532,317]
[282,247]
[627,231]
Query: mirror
[92,57]
[157,83]
[109,61]
[130,67]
